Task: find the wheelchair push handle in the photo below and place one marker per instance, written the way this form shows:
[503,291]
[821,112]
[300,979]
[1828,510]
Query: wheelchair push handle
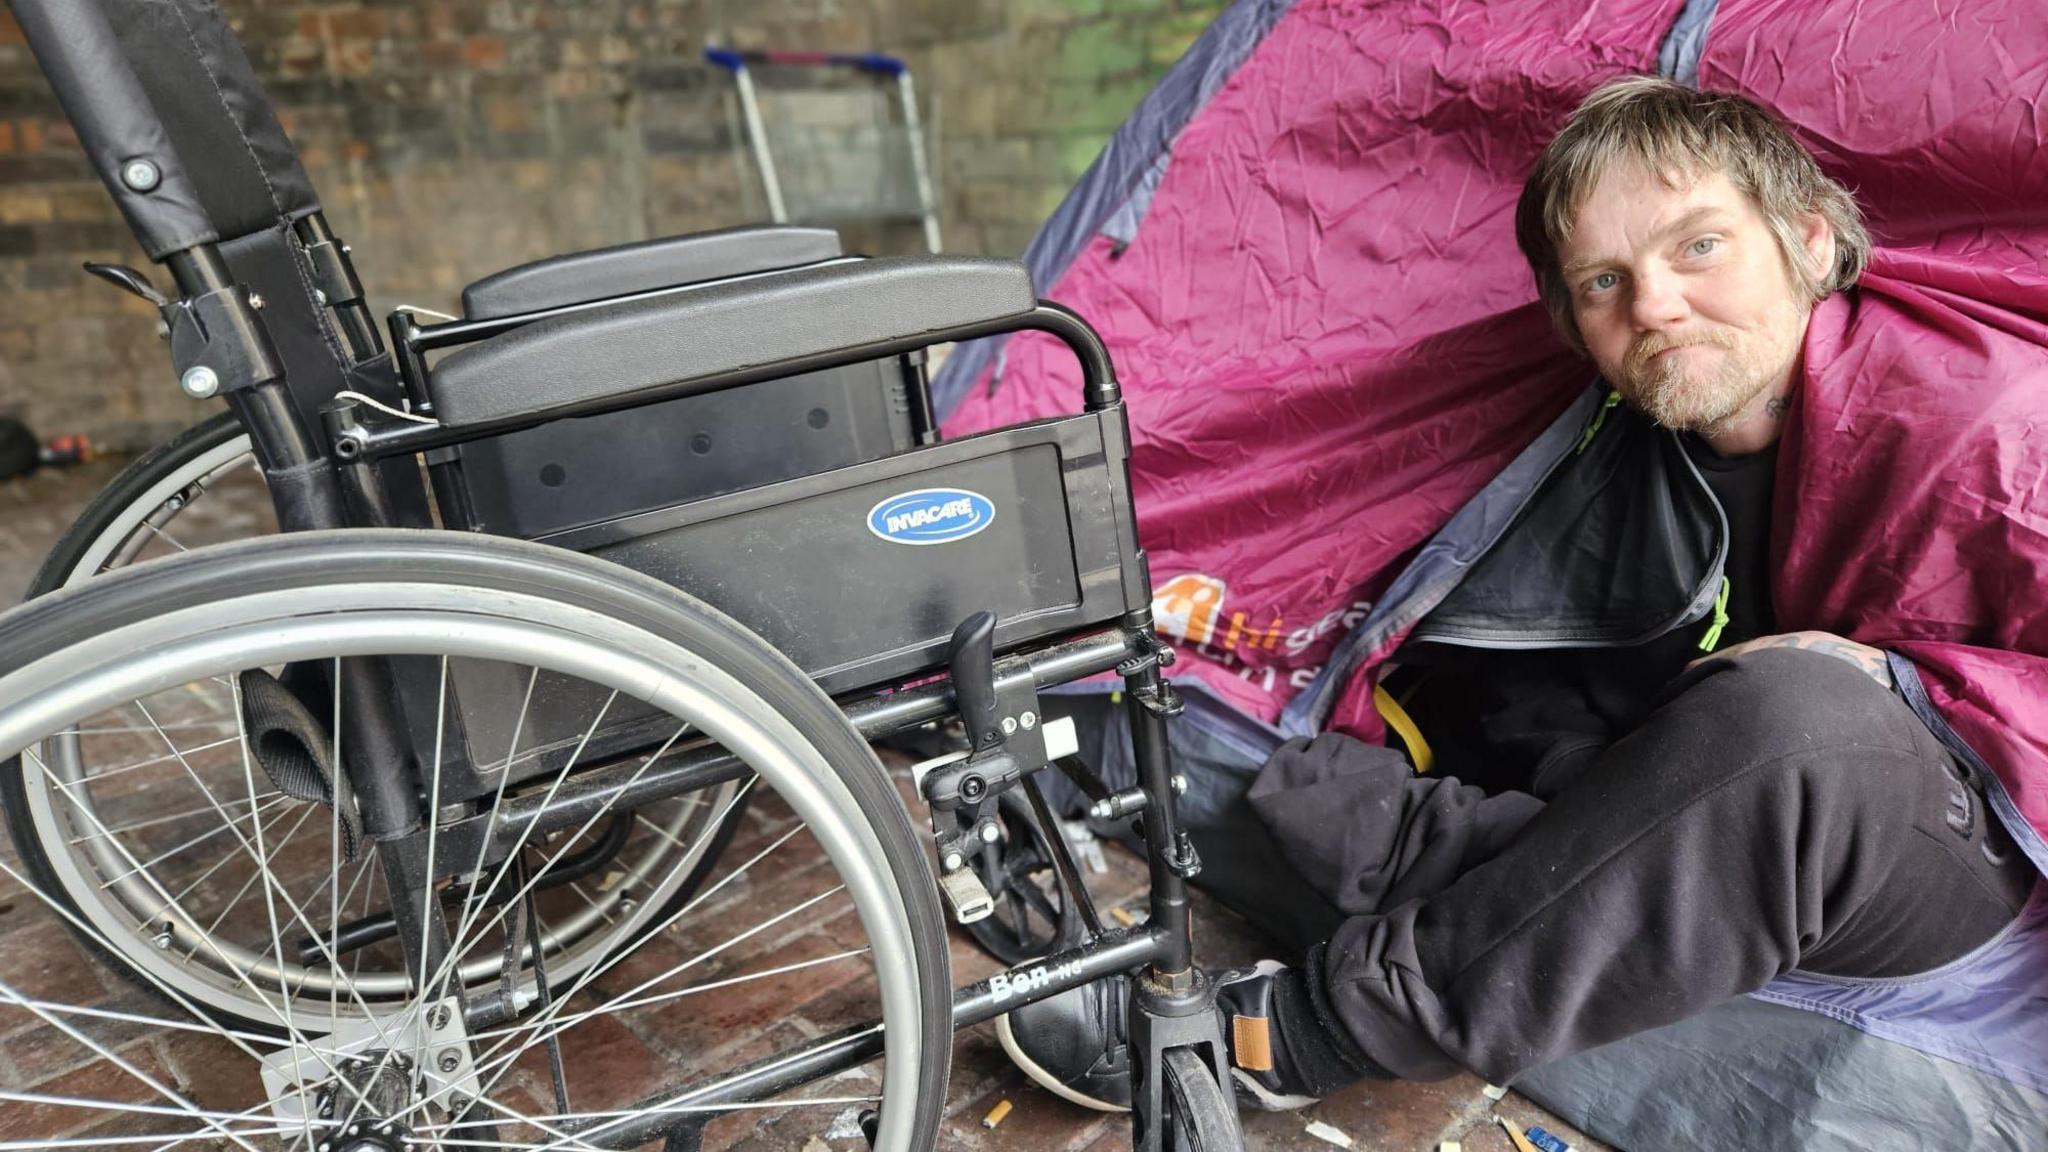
[972,658]
[117,123]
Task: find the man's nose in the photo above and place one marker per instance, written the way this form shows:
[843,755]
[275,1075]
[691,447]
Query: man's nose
[1658,300]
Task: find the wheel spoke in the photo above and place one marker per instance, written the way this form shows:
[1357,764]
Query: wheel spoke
[618,1004]
[491,1062]
[166,537]
[155,760]
[188,845]
[10,996]
[234,901]
[283,1018]
[546,1018]
[156,821]
[100,940]
[631,872]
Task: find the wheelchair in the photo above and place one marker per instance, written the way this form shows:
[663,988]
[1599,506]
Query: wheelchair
[542,729]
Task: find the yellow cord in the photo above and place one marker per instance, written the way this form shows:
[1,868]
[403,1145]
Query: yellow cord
[1713,636]
[1599,418]
[1404,726]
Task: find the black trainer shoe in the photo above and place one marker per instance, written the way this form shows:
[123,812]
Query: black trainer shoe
[1074,1044]
[1257,1063]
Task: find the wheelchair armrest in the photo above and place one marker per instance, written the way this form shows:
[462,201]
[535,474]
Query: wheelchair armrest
[579,277]
[578,359]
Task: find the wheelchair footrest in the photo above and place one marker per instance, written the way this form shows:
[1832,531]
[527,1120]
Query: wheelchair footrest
[966,895]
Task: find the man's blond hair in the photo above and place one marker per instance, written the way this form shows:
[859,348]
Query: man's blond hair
[1680,134]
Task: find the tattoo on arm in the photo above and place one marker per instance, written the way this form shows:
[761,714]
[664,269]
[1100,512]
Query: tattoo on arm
[1871,660]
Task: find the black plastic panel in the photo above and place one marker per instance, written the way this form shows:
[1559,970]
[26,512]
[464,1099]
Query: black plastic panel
[798,563]
[577,471]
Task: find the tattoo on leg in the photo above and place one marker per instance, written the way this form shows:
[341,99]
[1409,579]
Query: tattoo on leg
[1871,660]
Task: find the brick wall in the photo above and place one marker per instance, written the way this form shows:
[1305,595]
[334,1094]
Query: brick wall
[454,138]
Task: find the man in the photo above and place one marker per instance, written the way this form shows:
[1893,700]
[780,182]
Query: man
[1722,800]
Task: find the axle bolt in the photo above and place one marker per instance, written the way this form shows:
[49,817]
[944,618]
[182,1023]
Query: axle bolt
[437,1019]
[199,382]
[450,1059]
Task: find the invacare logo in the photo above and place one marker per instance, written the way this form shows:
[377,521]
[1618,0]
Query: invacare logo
[931,516]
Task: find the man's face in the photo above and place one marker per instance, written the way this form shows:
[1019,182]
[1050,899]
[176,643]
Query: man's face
[1682,296]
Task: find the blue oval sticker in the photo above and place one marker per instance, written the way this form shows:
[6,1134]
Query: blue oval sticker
[931,516]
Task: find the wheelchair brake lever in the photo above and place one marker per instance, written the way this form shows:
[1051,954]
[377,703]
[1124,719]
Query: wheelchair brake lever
[972,658]
[128,280]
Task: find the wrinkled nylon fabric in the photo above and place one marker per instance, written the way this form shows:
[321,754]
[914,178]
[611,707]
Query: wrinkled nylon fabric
[1320,303]
[1330,344]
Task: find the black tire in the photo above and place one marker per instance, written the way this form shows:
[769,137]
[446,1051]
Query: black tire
[1200,1114]
[361,558]
[128,486]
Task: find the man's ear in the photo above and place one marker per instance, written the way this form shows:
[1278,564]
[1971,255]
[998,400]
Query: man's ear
[1818,238]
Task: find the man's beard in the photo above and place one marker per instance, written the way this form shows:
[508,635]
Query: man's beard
[1700,398]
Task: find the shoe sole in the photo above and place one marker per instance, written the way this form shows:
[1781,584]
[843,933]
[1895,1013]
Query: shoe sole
[1252,1094]
[1044,1079]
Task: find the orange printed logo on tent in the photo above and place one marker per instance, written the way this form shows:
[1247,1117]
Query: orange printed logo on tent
[1187,607]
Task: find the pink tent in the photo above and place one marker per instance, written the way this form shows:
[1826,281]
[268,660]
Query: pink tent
[1342,388]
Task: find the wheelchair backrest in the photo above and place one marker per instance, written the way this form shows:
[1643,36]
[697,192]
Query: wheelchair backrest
[184,137]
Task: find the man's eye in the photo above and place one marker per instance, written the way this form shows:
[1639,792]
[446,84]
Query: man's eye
[1602,282]
[1703,245]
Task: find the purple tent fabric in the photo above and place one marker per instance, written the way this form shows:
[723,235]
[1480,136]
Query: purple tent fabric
[1330,344]
[1341,388]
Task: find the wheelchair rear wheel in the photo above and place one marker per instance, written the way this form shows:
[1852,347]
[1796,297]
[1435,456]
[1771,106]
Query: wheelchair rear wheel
[830,919]
[201,487]
[204,487]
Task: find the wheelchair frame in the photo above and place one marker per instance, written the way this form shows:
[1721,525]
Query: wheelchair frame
[338,475]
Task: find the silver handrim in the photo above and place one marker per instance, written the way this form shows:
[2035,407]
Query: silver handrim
[188,491]
[341,621]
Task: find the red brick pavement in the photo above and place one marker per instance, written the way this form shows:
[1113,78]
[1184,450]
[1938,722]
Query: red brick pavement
[618,1058]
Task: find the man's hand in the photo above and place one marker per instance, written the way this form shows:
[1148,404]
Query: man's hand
[1870,660]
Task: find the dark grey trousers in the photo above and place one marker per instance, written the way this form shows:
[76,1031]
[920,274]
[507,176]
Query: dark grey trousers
[1779,811]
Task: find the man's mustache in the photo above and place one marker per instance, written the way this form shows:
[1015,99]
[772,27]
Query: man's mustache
[1648,345]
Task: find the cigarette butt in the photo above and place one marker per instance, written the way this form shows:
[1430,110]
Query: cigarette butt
[1493,1091]
[1450,1146]
[1328,1134]
[996,1114]
[1122,917]
[1521,1142]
